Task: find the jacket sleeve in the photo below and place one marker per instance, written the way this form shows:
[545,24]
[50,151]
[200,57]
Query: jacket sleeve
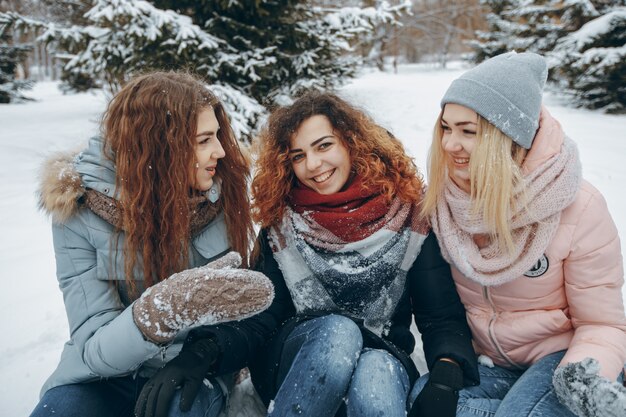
[102,331]
[439,313]
[240,341]
[594,277]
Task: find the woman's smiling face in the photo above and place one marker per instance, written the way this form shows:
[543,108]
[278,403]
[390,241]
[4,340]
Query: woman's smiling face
[459,126]
[319,158]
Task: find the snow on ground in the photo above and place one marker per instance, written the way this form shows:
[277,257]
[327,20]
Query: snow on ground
[33,324]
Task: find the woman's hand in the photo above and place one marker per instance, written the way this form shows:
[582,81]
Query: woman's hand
[186,371]
[439,396]
[585,393]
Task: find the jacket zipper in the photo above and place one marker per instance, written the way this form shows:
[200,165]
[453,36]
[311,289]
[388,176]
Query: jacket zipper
[491,328]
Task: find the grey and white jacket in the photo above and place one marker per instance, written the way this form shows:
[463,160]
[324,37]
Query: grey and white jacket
[104,341]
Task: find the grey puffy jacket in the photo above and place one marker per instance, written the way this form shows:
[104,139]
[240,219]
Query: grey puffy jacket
[104,341]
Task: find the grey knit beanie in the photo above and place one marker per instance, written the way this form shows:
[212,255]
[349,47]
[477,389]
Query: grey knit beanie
[506,90]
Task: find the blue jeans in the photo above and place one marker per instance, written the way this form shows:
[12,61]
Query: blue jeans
[511,393]
[116,397]
[323,362]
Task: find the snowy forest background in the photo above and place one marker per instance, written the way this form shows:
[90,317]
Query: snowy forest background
[259,53]
[60,60]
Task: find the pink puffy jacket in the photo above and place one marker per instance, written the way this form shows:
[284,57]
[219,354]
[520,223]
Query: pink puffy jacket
[571,299]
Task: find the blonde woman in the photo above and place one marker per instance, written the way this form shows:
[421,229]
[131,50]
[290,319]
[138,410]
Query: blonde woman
[534,252]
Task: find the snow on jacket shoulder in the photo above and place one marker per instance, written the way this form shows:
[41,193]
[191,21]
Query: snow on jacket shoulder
[571,299]
[104,340]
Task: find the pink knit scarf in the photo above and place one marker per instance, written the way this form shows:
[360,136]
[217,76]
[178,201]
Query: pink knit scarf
[549,189]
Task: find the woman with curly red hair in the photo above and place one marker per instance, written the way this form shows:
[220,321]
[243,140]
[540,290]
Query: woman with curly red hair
[338,200]
[136,217]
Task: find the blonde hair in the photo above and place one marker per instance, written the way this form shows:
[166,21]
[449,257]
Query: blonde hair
[495,175]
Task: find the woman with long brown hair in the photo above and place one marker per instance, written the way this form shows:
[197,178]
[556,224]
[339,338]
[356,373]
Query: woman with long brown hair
[338,200]
[136,217]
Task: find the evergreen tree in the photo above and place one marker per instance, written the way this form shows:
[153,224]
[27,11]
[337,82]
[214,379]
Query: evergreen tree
[583,40]
[272,44]
[529,25]
[590,63]
[255,53]
[10,58]
[126,37]
[496,39]
[285,46]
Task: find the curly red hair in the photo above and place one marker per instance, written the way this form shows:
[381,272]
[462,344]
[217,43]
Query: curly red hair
[149,131]
[376,155]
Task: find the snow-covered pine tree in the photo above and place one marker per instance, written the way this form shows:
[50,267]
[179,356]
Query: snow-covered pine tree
[496,39]
[10,57]
[538,25]
[286,45]
[254,53]
[127,37]
[331,59]
[529,25]
[590,63]
[67,13]
[271,44]
[583,40]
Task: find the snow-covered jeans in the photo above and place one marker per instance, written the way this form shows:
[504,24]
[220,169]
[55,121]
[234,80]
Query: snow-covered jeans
[504,392]
[323,362]
[116,397]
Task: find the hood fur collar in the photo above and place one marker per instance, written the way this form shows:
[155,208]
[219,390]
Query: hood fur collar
[60,187]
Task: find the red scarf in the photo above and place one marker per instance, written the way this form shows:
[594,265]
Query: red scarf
[351,214]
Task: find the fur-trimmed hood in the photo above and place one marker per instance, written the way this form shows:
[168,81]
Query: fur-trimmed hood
[65,176]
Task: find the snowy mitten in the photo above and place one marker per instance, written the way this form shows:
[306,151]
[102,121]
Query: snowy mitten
[230,260]
[586,394]
[200,296]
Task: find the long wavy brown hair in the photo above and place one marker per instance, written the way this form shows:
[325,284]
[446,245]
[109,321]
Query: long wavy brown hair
[376,155]
[149,131]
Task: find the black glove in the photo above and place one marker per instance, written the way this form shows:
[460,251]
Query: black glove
[441,392]
[186,371]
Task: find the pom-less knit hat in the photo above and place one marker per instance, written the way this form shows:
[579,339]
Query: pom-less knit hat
[505,90]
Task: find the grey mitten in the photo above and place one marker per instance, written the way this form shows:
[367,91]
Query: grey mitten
[587,394]
[211,294]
